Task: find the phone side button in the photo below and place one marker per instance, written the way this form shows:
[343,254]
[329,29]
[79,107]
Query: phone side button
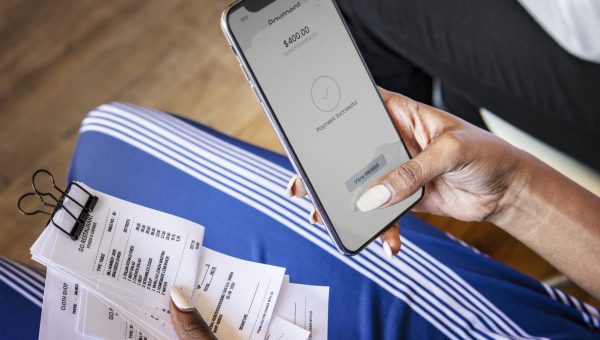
[245,73]
[256,93]
[264,107]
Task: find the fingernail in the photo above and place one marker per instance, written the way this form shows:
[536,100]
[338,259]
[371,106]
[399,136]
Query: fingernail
[374,198]
[312,217]
[181,302]
[290,186]
[387,250]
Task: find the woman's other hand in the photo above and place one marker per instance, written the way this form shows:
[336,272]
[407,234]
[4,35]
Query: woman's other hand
[187,321]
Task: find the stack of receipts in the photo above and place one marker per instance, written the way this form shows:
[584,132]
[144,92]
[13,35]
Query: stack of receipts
[114,281]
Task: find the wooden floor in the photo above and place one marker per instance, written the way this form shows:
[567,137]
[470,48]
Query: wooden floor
[61,58]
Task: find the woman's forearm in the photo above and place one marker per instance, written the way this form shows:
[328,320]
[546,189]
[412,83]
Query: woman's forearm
[556,218]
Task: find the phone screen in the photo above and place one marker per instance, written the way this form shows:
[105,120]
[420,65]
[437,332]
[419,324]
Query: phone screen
[311,75]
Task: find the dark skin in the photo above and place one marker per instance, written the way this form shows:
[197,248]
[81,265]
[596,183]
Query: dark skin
[472,175]
[189,325]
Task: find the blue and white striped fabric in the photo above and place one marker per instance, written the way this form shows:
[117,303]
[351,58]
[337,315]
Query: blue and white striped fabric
[436,288]
[26,281]
[21,293]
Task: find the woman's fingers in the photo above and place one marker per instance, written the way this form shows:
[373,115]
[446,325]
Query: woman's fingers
[388,95]
[296,188]
[187,321]
[391,240]
[436,159]
[314,217]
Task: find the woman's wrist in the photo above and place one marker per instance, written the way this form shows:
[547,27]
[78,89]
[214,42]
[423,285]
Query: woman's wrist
[556,218]
[539,198]
[518,205]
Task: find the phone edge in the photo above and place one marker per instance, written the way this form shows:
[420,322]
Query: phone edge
[287,147]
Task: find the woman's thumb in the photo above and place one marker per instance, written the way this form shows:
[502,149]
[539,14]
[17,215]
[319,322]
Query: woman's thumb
[436,159]
[187,321]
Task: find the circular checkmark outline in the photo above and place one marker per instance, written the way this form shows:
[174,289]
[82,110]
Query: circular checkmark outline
[312,94]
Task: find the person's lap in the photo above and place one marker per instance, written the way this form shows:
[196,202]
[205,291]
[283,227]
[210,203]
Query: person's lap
[435,288]
[21,292]
[489,54]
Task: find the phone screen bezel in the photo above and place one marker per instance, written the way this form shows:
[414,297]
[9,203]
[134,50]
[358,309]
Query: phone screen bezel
[288,146]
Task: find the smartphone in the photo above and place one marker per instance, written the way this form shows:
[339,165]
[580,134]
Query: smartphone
[306,71]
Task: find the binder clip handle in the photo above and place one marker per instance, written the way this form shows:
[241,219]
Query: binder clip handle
[25,211]
[59,203]
[40,194]
[39,176]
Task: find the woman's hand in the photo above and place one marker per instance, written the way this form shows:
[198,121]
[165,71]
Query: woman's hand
[187,321]
[466,171]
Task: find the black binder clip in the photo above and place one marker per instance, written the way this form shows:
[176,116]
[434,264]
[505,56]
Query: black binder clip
[58,203]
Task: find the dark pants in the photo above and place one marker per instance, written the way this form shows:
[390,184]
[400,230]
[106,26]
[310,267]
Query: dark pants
[487,53]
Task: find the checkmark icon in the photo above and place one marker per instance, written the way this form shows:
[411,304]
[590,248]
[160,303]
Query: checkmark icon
[326,93]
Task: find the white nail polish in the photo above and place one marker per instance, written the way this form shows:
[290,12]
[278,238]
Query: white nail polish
[288,190]
[374,198]
[183,303]
[387,250]
[312,216]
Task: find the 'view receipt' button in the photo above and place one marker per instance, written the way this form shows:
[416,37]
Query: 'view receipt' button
[365,173]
